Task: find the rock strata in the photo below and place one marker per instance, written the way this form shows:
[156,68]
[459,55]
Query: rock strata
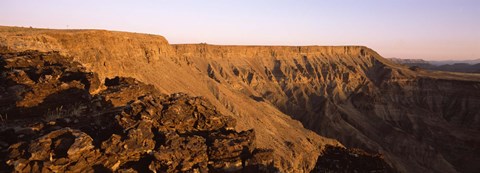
[421,121]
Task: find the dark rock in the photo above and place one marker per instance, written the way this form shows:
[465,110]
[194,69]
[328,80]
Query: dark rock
[231,148]
[61,150]
[43,84]
[338,159]
[121,90]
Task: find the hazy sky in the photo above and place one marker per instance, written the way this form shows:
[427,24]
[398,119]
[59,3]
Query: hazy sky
[428,29]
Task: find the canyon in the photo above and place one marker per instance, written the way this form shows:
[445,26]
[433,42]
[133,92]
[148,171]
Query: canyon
[298,99]
[465,66]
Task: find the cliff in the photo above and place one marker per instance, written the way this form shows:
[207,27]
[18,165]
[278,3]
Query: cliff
[420,121]
[413,117]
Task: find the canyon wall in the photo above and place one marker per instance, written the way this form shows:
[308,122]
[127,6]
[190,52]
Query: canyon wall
[420,121]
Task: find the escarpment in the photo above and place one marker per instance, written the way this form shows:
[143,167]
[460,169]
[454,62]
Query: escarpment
[420,121]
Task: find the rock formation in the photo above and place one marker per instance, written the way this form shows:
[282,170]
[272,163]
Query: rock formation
[420,121]
[150,59]
[337,159]
[414,118]
[105,132]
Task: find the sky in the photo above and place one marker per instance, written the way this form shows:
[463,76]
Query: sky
[426,29]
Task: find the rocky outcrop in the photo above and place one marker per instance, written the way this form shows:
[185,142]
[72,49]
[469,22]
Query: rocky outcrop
[151,132]
[338,159]
[34,84]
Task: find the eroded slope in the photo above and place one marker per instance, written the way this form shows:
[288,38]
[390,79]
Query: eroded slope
[421,121]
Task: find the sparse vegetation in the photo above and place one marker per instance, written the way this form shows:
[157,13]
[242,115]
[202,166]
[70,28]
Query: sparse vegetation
[3,120]
[54,114]
[61,112]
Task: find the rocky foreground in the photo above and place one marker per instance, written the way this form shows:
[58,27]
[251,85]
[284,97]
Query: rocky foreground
[57,117]
[54,124]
